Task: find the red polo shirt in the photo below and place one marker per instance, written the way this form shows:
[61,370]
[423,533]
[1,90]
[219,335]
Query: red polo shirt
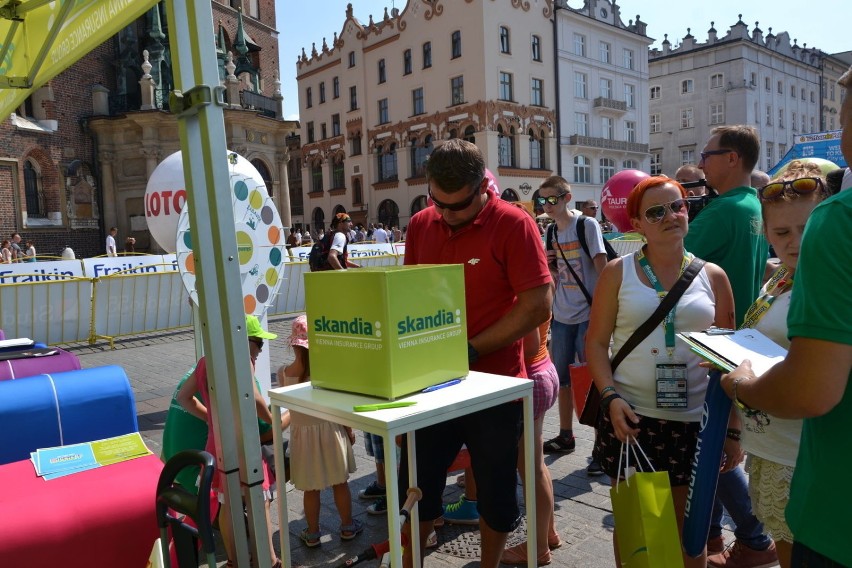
[502,254]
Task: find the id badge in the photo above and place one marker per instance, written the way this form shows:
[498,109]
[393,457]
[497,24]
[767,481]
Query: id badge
[671,385]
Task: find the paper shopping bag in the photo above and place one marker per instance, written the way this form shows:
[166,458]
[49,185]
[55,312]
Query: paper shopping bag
[581,382]
[645,520]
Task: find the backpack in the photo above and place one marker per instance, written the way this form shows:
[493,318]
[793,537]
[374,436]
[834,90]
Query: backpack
[318,257]
[581,236]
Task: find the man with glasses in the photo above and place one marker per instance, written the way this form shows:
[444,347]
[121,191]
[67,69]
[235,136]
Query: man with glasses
[590,209]
[575,272]
[507,295]
[729,233]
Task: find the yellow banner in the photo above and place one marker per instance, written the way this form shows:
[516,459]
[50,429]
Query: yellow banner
[53,36]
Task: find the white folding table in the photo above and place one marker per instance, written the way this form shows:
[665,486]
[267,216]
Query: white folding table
[477,392]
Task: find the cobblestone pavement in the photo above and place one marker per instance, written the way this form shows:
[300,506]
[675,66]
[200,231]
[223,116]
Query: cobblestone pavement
[156,362]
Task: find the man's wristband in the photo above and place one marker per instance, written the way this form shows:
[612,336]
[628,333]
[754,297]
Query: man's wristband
[607,401]
[472,354]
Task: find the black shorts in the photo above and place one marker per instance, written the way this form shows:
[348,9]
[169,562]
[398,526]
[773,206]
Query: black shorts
[492,437]
[669,444]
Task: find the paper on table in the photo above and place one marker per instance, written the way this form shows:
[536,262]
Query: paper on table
[16,342]
[728,351]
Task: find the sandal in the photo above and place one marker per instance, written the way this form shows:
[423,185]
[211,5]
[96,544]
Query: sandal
[348,532]
[553,541]
[517,556]
[432,540]
[311,540]
[559,445]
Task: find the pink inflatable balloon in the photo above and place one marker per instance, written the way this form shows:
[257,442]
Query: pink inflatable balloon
[614,197]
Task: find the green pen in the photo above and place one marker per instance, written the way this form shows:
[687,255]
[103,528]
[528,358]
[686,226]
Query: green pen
[383,405]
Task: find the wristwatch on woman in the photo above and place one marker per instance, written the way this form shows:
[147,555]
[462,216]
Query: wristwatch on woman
[739,404]
[605,402]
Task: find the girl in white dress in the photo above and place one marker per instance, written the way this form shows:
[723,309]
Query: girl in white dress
[321,453]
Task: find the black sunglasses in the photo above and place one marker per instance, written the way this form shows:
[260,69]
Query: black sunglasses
[456,206]
[719,152]
[552,199]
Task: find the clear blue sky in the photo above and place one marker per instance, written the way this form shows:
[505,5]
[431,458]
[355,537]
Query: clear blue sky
[819,23]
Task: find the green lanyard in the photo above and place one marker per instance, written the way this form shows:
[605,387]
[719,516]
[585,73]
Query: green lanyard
[668,323]
[777,285]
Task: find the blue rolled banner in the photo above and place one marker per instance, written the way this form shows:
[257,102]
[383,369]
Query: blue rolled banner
[705,467]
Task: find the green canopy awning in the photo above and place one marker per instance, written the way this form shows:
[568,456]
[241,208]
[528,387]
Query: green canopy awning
[42,38]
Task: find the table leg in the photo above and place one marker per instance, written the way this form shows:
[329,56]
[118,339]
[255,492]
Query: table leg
[281,489]
[529,486]
[415,517]
[392,496]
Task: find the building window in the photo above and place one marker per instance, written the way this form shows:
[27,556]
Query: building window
[535,48]
[756,113]
[766,82]
[717,113]
[780,88]
[656,162]
[812,97]
[792,91]
[630,130]
[607,127]
[310,128]
[686,118]
[537,94]
[716,80]
[803,93]
[580,88]
[536,151]
[337,178]
[457,89]
[427,55]
[770,161]
[629,165]
[813,125]
[335,125]
[655,123]
[387,162]
[382,74]
[605,52]
[455,44]
[322,92]
[406,62]
[419,153]
[803,122]
[655,92]
[687,86]
[687,157]
[782,151]
[582,170]
[506,93]
[630,95]
[628,59]
[384,115]
[316,178]
[781,117]
[351,59]
[606,88]
[753,79]
[309,98]
[33,191]
[355,145]
[768,115]
[505,147]
[323,131]
[581,123]
[335,88]
[607,169]
[417,105]
[357,192]
[580,45]
[353,98]
[469,135]
[504,40]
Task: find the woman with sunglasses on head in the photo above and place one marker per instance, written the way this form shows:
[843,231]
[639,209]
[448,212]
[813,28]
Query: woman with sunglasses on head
[655,396]
[197,383]
[773,443]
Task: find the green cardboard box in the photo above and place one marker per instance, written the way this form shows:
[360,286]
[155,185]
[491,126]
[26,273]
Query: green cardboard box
[386,331]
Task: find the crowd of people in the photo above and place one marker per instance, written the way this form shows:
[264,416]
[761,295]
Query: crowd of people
[538,303]
[357,233]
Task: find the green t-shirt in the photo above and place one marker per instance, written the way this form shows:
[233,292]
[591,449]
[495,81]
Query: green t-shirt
[183,431]
[729,232]
[820,494]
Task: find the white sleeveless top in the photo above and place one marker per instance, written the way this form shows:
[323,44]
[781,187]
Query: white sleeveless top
[635,377]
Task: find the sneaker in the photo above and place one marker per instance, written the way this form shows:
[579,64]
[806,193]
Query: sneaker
[594,469]
[432,540]
[740,556]
[373,491]
[379,507]
[560,445]
[462,512]
[715,545]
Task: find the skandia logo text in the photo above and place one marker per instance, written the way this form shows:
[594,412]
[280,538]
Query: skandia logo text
[439,319]
[355,326]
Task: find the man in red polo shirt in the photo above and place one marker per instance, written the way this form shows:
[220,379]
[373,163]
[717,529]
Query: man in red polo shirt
[507,288]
